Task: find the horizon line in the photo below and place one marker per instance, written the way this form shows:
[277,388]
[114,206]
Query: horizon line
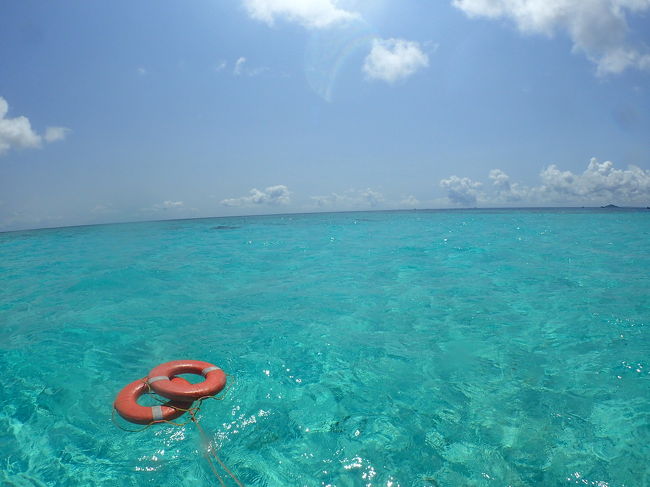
[410,210]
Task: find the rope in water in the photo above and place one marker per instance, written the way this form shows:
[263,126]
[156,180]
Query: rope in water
[209,449]
[208,442]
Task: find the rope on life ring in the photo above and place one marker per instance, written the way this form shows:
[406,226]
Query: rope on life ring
[160,380]
[184,394]
[126,404]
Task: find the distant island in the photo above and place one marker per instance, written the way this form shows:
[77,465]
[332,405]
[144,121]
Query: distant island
[610,206]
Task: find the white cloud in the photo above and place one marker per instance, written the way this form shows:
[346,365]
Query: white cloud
[507,191]
[598,28]
[175,208]
[165,209]
[142,71]
[316,14]
[168,204]
[52,134]
[461,191]
[18,220]
[18,132]
[257,71]
[332,200]
[500,180]
[410,202]
[221,66]
[102,209]
[239,66]
[15,132]
[393,59]
[372,198]
[601,183]
[273,195]
[350,199]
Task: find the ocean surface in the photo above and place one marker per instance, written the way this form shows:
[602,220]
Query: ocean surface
[423,348]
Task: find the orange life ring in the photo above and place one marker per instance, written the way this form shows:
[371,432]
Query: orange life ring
[159,380]
[126,404]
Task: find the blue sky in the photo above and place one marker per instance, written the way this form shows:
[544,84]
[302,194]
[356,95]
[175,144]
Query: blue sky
[123,111]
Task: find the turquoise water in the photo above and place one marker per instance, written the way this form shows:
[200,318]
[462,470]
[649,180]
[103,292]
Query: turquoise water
[451,348]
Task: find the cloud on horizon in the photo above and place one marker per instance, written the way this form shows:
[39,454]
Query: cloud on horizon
[391,60]
[169,204]
[597,28]
[461,191]
[273,195]
[601,183]
[312,14]
[410,202]
[165,209]
[352,198]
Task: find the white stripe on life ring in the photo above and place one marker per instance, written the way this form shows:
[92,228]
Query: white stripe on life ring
[150,380]
[156,413]
[205,371]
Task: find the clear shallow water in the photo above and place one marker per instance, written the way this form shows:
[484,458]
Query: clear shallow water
[483,348]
